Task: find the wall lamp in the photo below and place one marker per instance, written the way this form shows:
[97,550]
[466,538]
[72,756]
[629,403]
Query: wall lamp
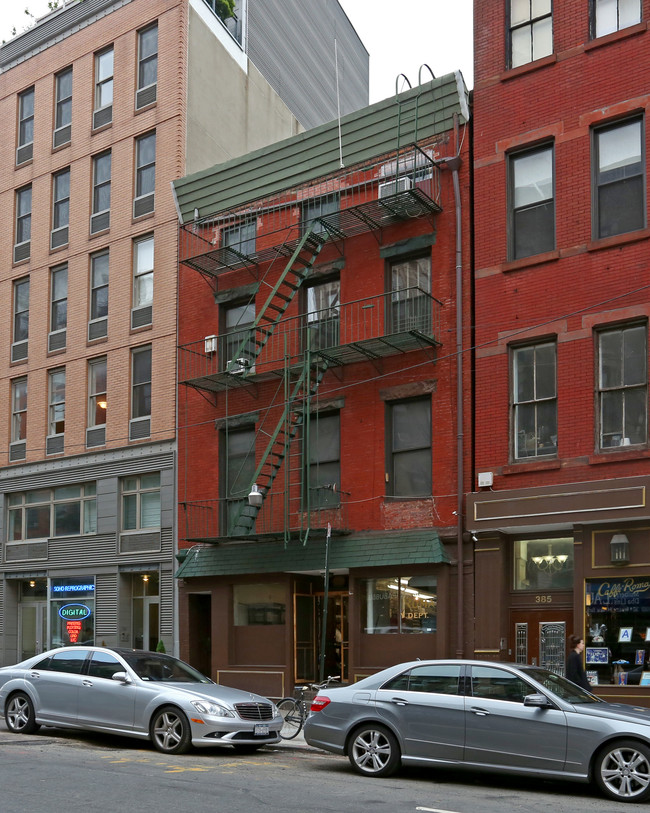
[255,498]
[619,549]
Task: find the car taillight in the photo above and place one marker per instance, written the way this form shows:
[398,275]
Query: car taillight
[319,702]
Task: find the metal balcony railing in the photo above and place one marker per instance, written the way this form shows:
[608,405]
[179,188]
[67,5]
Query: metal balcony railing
[374,327]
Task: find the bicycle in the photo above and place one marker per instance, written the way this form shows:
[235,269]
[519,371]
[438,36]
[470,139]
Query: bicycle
[295,711]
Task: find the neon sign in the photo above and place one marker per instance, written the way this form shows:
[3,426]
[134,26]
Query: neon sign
[74,611]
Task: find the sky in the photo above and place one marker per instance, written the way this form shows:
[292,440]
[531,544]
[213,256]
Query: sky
[400,36]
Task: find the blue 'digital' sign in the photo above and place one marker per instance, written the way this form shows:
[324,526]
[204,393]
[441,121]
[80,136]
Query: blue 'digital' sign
[74,612]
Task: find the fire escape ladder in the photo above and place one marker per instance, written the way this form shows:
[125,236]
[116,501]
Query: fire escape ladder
[280,441]
[301,258]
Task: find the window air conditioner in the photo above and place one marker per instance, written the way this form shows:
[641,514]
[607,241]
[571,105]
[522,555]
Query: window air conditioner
[389,188]
[239,366]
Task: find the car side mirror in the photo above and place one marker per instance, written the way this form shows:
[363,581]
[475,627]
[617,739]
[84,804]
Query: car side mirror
[122,677]
[539,701]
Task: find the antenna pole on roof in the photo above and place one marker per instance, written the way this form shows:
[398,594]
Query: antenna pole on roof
[338,100]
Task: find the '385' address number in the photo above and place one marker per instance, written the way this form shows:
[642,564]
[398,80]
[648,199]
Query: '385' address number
[543,599]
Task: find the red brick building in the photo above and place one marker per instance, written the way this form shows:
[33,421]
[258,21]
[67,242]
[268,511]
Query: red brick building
[323,288]
[560,511]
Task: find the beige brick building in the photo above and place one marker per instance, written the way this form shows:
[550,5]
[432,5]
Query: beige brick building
[104,103]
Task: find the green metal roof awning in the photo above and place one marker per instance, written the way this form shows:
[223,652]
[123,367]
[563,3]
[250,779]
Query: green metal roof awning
[371,550]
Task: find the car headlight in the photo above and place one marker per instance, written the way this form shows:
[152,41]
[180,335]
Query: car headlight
[211,709]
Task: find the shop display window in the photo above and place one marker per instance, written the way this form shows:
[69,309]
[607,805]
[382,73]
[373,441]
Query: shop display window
[403,604]
[259,604]
[543,564]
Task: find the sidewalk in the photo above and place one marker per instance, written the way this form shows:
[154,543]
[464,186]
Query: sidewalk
[297,743]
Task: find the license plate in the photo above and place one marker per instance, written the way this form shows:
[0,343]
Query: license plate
[261,730]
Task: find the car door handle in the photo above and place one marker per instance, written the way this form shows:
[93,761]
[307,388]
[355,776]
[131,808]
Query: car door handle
[87,682]
[399,701]
[480,712]
[34,675]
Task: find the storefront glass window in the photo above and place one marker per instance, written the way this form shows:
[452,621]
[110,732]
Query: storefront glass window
[256,604]
[72,611]
[405,604]
[617,635]
[543,564]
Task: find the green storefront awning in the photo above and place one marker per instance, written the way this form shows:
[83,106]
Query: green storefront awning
[370,550]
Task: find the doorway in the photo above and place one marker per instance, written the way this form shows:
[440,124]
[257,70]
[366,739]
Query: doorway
[32,624]
[308,629]
[200,631]
[540,638]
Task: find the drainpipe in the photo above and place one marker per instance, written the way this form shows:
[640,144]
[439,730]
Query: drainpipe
[453,164]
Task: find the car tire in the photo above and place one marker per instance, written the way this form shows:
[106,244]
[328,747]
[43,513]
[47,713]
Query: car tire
[622,771]
[170,731]
[374,751]
[247,749]
[20,716]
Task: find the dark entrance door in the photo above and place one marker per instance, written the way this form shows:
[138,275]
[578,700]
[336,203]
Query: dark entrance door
[200,626]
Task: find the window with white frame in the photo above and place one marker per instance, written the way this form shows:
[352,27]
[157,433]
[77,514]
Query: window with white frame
[240,237]
[411,304]
[532,203]
[145,174]
[58,307]
[60,208]
[147,66]
[623,386]
[618,178]
[409,462]
[98,324]
[323,313]
[56,402]
[25,148]
[52,512]
[19,409]
[143,268]
[100,217]
[141,502]
[103,111]
[62,108]
[23,223]
[324,461]
[97,404]
[141,382]
[534,400]
[239,346]
[531,30]
[613,15]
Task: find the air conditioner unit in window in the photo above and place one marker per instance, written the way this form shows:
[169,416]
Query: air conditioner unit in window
[239,366]
[395,187]
[210,343]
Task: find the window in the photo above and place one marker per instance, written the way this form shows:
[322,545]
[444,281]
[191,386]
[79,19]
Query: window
[409,438]
[531,31]
[147,66]
[19,409]
[411,305]
[623,386]
[143,261]
[25,149]
[62,108]
[238,321]
[613,15]
[97,403]
[326,207]
[140,426]
[532,205]
[241,237]
[535,400]
[402,604]
[98,324]
[58,308]
[21,319]
[324,461]
[543,564]
[145,174]
[60,208]
[100,217]
[104,665]
[434,679]
[259,604]
[62,511]
[492,683]
[141,502]
[103,113]
[619,179]
[56,406]
[239,467]
[323,312]
[22,247]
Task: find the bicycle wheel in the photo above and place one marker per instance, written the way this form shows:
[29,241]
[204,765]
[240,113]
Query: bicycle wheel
[290,710]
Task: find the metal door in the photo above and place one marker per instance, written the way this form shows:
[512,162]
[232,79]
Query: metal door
[32,623]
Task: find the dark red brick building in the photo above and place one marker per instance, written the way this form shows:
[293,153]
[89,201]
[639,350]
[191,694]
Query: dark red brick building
[560,510]
[324,285]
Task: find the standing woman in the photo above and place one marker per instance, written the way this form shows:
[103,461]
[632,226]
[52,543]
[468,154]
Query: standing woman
[575,671]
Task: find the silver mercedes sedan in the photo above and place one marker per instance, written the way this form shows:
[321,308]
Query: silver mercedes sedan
[137,694]
[485,716]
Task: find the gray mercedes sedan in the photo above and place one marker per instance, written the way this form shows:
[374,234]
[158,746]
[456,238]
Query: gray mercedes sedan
[137,694]
[485,716]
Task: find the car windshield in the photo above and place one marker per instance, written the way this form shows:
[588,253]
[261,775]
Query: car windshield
[162,668]
[560,686]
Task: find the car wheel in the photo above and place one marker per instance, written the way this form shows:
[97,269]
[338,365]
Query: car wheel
[374,751]
[20,716]
[170,731]
[247,749]
[622,771]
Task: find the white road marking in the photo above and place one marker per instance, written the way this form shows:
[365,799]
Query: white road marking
[435,810]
